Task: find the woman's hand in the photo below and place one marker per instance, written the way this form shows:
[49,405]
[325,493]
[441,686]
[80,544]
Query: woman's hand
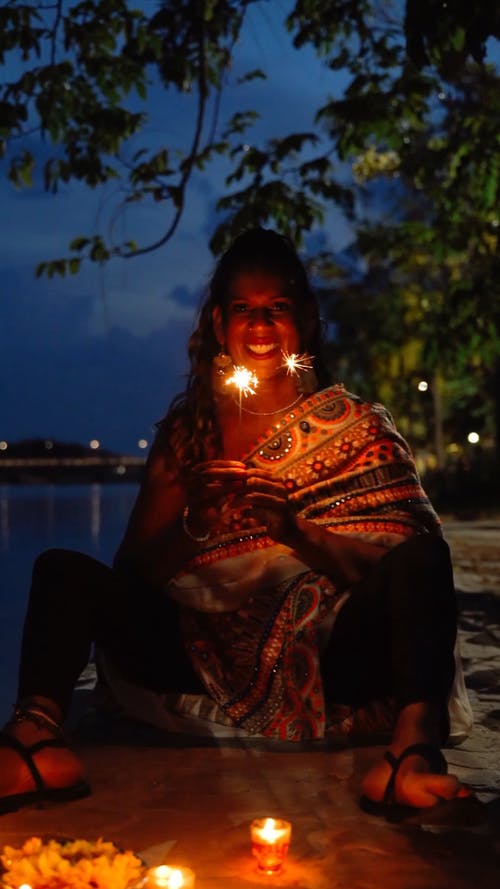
[219,488]
[266,498]
[213,489]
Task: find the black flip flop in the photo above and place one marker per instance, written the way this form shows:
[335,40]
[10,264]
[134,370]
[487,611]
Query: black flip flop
[387,807]
[41,792]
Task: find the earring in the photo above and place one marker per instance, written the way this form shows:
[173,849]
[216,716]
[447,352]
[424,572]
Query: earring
[301,366]
[221,365]
[222,362]
[307,381]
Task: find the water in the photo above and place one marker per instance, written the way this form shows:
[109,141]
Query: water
[89,518]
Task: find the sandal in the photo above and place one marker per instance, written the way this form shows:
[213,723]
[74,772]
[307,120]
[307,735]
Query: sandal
[387,806]
[41,792]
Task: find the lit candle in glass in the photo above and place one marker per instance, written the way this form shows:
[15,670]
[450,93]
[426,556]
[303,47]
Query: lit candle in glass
[270,842]
[166,877]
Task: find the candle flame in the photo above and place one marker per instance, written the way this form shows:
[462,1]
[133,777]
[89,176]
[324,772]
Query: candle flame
[245,381]
[269,830]
[176,879]
[167,877]
[295,362]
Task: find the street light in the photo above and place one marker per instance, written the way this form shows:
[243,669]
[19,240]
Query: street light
[423,386]
[473,438]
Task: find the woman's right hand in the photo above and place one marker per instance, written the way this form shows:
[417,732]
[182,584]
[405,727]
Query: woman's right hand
[213,488]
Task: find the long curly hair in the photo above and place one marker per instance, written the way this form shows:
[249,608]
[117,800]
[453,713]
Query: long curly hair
[190,428]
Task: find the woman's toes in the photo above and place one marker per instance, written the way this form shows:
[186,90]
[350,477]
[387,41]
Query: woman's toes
[415,785]
[423,789]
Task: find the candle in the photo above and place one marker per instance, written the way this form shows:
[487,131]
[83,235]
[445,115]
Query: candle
[166,877]
[270,842]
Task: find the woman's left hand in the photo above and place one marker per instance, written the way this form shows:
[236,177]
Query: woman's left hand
[266,498]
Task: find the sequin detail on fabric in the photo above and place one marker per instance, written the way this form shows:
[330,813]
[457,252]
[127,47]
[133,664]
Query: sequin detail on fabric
[261,663]
[346,468]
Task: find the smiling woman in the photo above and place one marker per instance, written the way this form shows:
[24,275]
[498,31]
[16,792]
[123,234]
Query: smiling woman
[260,308]
[282,576]
[258,327]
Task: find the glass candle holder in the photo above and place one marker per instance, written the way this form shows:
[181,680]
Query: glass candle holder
[169,877]
[270,842]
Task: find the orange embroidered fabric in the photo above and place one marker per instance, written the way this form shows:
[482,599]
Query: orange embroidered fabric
[347,468]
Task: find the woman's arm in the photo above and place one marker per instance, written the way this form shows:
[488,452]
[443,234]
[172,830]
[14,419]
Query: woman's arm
[155,545]
[343,558]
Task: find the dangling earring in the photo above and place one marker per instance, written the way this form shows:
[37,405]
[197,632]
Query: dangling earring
[301,366]
[221,365]
[307,381]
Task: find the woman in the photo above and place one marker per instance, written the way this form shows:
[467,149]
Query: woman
[282,573]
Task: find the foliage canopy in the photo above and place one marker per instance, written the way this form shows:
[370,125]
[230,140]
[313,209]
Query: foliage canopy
[418,122]
[78,74]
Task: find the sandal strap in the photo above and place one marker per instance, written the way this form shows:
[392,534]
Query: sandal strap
[432,755]
[27,753]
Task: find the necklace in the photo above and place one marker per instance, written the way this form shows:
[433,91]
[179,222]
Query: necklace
[279,410]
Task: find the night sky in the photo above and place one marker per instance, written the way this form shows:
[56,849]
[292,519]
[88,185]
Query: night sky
[101,354]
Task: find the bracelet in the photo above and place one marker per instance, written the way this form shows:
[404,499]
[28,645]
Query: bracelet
[188,532]
[38,716]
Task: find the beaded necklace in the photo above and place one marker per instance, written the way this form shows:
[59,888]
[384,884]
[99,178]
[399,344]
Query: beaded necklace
[278,410]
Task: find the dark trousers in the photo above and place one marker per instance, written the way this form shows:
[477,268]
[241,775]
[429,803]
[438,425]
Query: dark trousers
[396,634]
[76,601]
[393,637]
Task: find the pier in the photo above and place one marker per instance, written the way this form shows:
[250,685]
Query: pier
[95,468]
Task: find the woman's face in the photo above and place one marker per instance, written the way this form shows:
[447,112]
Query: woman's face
[259,323]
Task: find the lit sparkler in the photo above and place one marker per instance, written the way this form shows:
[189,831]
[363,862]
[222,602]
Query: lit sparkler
[245,381]
[294,362]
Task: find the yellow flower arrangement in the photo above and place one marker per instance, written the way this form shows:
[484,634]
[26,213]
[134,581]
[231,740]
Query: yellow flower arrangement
[71,864]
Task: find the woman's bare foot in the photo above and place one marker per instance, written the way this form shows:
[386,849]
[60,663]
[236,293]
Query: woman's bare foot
[59,767]
[418,781]
[416,785]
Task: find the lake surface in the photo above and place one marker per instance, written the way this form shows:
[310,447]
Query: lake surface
[89,518]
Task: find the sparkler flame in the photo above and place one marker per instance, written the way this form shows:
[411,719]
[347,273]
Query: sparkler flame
[294,362]
[245,381]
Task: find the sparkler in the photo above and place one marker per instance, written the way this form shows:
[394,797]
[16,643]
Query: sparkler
[245,381]
[294,362]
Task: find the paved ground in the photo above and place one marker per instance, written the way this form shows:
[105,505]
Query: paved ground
[192,802]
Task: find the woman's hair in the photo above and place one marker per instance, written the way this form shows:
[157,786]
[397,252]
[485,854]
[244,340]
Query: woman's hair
[190,427]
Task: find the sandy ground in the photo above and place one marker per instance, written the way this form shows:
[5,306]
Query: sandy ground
[189,801]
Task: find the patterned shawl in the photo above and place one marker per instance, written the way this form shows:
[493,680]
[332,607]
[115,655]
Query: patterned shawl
[252,611]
